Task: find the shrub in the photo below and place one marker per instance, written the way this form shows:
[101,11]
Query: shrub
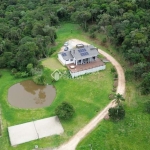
[14,70]
[18,75]
[65,111]
[40,66]
[29,68]
[145,85]
[117,113]
[24,74]
[21,75]
[147,107]
[129,74]
[92,35]
[40,79]
[66,74]
[113,70]
[104,40]
[0,74]
[115,75]
[93,28]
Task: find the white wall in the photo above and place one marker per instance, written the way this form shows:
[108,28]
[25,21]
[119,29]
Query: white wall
[64,62]
[69,62]
[60,58]
[76,74]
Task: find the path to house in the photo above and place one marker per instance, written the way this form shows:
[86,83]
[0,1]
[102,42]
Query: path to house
[73,142]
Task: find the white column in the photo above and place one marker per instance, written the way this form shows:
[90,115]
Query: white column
[76,62]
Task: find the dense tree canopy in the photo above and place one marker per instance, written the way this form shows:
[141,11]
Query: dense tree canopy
[126,25]
[27,31]
[29,28]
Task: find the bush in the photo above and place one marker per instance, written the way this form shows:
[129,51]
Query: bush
[147,107]
[40,79]
[117,113]
[0,74]
[92,35]
[21,75]
[14,70]
[65,111]
[145,85]
[24,74]
[104,40]
[129,74]
[66,74]
[93,28]
[113,70]
[115,75]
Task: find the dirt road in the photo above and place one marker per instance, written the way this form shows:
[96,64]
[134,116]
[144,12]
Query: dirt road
[73,142]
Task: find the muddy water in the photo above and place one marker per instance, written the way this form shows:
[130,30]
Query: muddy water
[27,94]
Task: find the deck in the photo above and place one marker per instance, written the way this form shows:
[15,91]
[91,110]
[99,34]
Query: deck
[87,66]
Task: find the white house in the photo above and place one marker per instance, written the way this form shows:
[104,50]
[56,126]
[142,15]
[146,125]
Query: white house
[81,60]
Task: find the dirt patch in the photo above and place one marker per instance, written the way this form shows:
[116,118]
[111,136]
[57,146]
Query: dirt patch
[115,83]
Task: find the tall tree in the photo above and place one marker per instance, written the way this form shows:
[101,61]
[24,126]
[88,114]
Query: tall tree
[119,98]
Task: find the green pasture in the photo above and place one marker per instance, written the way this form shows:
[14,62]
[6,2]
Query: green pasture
[88,94]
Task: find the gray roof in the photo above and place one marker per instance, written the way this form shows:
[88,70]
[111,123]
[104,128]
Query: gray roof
[66,55]
[86,52]
[80,53]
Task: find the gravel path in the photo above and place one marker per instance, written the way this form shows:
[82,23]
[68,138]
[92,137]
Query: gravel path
[73,142]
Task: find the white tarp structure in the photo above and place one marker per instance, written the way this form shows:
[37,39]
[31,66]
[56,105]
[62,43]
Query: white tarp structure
[34,130]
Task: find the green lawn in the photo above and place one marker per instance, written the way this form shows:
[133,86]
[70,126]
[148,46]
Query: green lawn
[89,92]
[132,133]
[53,64]
[88,95]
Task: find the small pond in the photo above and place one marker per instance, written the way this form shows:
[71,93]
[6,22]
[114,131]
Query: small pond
[27,94]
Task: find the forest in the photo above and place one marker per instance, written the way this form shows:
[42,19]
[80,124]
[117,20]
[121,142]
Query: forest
[28,31]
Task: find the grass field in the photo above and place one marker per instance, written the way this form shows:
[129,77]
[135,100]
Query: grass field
[81,93]
[132,133]
[88,95]
[53,64]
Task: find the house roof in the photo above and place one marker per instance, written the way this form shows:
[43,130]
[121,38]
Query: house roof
[66,55]
[86,51]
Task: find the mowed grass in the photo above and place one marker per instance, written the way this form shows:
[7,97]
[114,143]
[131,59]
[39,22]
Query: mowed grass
[132,133]
[53,64]
[88,95]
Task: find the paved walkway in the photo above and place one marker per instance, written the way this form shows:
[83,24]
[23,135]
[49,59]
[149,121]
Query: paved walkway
[73,142]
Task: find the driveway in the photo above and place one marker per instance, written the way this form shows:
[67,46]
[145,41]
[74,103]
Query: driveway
[73,142]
